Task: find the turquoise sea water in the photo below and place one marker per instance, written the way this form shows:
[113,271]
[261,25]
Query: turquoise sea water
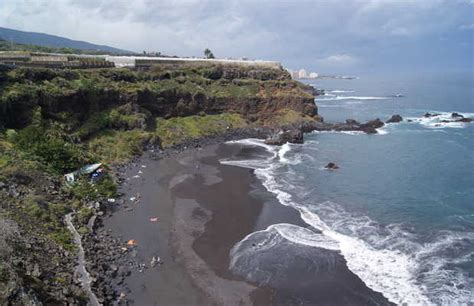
[401,207]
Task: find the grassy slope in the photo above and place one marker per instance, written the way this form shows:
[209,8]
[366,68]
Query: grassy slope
[43,145]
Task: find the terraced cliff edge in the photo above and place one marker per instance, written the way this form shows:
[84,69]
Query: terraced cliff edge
[53,122]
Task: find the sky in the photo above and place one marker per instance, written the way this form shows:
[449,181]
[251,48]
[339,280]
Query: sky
[339,36]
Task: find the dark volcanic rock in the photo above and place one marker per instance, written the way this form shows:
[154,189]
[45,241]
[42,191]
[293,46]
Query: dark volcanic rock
[429,115]
[456,115]
[352,122]
[282,137]
[371,127]
[394,119]
[466,120]
[331,166]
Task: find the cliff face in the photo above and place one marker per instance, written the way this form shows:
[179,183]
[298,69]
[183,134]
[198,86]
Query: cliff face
[163,91]
[55,121]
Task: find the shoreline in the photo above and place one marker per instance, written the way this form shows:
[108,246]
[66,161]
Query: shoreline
[195,232]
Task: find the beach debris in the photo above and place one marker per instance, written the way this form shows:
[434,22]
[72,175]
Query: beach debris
[153,219]
[111,200]
[122,296]
[155,260]
[136,176]
[136,198]
[140,171]
[143,166]
[87,169]
[123,249]
[128,208]
[131,242]
[331,166]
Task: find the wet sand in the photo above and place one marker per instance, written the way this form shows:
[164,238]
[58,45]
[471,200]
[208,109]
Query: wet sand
[203,209]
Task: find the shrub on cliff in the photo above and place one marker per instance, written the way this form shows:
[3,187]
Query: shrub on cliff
[47,147]
[16,104]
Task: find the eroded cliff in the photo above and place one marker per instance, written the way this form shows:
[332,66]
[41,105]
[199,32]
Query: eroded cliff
[55,121]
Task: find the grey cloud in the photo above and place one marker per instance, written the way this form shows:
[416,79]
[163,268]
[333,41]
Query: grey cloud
[295,32]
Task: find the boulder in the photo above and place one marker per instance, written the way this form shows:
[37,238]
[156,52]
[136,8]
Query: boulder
[394,119]
[370,127]
[429,115]
[352,122]
[282,137]
[465,120]
[331,166]
[456,115]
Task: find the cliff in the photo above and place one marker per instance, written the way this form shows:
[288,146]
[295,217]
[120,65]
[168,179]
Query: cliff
[163,91]
[54,121]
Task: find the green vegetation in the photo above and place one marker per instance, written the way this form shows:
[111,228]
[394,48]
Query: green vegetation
[119,146]
[287,117]
[175,130]
[46,217]
[55,121]
[208,53]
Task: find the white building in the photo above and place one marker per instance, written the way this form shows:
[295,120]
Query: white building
[313,75]
[302,74]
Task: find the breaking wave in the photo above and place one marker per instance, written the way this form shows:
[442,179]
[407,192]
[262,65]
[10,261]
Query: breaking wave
[389,259]
[341,91]
[440,120]
[338,98]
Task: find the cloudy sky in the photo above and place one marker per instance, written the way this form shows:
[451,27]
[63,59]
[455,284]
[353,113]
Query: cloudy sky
[339,36]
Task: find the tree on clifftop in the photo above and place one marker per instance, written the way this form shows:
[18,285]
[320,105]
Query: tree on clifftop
[208,53]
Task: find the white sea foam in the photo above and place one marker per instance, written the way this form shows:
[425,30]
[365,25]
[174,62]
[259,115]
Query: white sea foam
[382,131]
[341,91]
[353,133]
[298,235]
[332,105]
[337,98]
[442,120]
[388,259]
[281,153]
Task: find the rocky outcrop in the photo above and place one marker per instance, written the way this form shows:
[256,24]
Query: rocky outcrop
[370,127]
[352,122]
[173,91]
[461,118]
[429,115]
[455,117]
[331,166]
[282,137]
[394,119]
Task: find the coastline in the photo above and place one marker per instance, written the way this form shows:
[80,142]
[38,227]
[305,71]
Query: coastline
[204,208]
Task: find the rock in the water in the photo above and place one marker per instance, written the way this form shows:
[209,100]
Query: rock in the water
[395,119]
[371,127]
[282,137]
[352,122]
[429,115]
[331,166]
[457,115]
[465,120]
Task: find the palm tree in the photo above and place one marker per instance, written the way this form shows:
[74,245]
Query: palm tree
[208,53]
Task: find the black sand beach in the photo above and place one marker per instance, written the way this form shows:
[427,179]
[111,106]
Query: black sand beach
[203,208]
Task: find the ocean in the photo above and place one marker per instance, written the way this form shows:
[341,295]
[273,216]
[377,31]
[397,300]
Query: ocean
[400,209]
